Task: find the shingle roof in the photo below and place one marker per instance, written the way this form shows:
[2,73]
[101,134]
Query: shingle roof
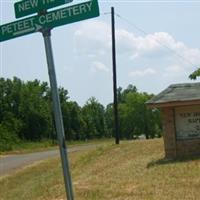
[177,93]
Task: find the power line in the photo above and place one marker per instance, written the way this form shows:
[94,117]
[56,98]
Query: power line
[145,33]
[107,13]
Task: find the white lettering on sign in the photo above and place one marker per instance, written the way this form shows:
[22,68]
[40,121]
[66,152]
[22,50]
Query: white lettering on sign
[65,13]
[89,6]
[47,1]
[27,5]
[48,20]
[31,4]
[187,121]
[83,8]
[17,26]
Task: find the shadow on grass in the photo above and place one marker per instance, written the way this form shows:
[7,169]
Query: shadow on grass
[165,161]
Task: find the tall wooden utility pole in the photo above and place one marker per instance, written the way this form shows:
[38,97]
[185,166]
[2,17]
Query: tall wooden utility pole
[116,118]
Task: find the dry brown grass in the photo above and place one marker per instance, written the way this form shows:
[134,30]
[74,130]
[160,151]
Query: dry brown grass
[130,171]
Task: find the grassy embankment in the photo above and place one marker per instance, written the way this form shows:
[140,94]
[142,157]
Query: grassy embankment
[132,170]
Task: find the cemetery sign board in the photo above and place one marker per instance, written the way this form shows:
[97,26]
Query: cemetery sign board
[187,122]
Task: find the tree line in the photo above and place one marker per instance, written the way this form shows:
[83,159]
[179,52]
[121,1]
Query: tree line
[26,114]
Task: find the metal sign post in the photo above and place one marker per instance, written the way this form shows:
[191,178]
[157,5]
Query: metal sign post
[58,114]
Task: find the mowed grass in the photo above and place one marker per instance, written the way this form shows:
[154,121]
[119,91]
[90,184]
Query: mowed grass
[129,171]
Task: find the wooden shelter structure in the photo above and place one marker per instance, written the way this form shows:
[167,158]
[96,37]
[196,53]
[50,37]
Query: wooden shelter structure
[180,108]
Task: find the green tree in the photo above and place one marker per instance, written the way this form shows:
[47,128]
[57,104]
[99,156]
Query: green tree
[195,74]
[134,116]
[72,121]
[109,119]
[35,111]
[9,130]
[93,113]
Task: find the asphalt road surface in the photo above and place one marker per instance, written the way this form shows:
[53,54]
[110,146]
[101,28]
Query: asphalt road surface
[11,163]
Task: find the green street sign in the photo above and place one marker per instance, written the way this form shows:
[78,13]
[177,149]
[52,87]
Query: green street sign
[27,7]
[50,20]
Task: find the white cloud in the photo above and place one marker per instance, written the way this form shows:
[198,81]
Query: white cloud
[174,71]
[68,68]
[160,44]
[98,66]
[142,73]
[93,38]
[137,45]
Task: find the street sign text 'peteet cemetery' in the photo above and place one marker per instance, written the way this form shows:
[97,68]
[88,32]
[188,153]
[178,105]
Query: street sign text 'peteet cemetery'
[27,7]
[50,20]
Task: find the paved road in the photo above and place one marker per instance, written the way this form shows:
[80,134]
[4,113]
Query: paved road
[11,163]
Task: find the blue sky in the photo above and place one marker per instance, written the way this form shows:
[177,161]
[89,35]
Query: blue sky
[158,43]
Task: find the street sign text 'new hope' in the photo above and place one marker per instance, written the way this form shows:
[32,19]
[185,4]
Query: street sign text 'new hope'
[27,7]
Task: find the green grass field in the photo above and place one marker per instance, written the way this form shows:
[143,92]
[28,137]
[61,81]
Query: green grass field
[129,171]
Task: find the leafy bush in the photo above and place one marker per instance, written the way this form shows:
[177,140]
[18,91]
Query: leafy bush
[7,139]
